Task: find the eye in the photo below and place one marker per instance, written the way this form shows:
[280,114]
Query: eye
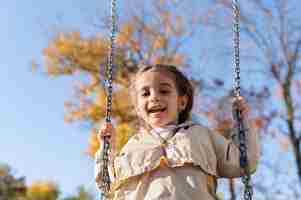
[164,91]
[144,93]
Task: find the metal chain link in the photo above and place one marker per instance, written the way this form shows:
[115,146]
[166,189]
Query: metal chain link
[236,39]
[106,182]
[111,60]
[246,179]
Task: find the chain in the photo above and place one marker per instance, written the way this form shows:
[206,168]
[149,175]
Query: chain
[246,179]
[236,48]
[106,182]
[111,60]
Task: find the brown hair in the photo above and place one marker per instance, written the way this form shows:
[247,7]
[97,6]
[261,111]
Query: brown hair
[183,86]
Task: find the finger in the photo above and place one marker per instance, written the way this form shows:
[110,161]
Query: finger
[107,126]
[245,109]
[105,133]
[238,100]
[240,103]
[100,137]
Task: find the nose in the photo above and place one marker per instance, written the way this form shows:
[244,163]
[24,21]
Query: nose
[154,97]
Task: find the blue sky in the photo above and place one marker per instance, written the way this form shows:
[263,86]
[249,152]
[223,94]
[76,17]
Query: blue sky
[35,141]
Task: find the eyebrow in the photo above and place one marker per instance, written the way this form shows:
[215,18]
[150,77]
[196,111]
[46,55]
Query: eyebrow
[165,84]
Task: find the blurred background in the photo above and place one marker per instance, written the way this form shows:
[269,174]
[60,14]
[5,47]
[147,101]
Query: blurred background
[53,58]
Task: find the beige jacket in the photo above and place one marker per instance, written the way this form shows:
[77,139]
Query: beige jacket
[185,167]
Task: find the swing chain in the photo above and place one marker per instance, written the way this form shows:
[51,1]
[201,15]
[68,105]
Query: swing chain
[246,179]
[236,48]
[106,182]
[248,193]
[110,64]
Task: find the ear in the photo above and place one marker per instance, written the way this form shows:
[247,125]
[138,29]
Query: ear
[182,102]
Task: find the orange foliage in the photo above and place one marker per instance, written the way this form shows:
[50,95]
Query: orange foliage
[42,187]
[93,143]
[84,54]
[125,34]
[43,190]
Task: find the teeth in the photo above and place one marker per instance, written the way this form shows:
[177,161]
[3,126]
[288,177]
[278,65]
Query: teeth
[156,110]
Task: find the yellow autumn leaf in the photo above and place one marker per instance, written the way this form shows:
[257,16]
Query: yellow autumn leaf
[45,190]
[93,143]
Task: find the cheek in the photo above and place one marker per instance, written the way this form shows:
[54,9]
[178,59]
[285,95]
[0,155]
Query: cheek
[140,106]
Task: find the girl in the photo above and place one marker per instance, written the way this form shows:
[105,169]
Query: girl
[171,157]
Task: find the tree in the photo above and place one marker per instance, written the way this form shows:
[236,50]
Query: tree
[11,188]
[270,31]
[43,190]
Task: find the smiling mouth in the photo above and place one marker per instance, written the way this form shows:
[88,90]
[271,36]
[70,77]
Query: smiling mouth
[156,110]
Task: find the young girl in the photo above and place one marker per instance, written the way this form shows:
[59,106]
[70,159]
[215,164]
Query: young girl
[171,157]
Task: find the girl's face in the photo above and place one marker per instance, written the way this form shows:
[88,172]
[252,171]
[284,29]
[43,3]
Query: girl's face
[158,102]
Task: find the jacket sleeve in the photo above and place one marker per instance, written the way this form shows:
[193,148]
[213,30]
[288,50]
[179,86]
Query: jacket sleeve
[227,152]
[98,168]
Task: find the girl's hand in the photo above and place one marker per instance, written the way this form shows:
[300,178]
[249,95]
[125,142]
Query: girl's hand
[107,130]
[240,104]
